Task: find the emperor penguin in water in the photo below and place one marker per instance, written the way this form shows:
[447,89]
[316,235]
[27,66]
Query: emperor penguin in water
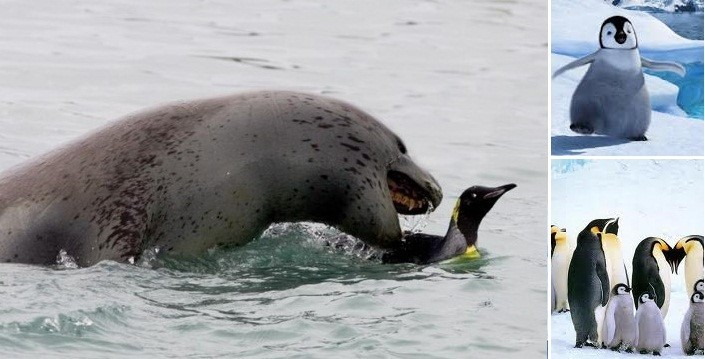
[619,326]
[561,252]
[690,248]
[651,272]
[612,247]
[650,327]
[460,239]
[612,98]
[588,284]
[692,327]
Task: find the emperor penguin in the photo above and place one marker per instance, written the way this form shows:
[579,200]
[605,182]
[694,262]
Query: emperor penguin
[692,327]
[651,272]
[612,98]
[612,247]
[588,284]
[460,239]
[650,327]
[690,248]
[560,260]
[619,326]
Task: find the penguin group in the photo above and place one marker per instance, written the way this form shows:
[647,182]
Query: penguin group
[608,310]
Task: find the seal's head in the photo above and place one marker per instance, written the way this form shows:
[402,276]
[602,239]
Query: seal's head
[617,32]
[342,166]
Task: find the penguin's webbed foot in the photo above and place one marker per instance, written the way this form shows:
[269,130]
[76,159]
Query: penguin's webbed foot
[638,138]
[615,349]
[643,352]
[667,345]
[582,129]
[588,344]
[629,350]
[657,353]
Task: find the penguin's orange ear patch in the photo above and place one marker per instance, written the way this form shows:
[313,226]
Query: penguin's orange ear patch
[595,230]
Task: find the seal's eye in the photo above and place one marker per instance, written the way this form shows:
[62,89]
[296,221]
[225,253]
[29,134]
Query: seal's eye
[401,146]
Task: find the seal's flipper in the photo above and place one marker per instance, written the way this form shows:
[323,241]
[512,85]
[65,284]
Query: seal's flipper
[577,63]
[663,66]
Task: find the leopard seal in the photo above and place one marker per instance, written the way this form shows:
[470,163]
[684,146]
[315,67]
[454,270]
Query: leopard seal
[189,176]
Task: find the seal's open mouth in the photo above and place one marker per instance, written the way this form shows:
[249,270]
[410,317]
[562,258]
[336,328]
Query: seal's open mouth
[408,197]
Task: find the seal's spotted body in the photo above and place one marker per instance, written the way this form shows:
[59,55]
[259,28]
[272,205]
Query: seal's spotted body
[190,176]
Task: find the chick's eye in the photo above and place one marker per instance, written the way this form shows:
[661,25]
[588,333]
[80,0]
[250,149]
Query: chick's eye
[609,32]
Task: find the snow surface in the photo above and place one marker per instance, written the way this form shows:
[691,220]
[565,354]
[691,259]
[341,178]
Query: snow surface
[575,27]
[671,131]
[651,198]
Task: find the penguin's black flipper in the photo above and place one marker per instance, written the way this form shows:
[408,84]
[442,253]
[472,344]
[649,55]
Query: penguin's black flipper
[601,271]
[659,291]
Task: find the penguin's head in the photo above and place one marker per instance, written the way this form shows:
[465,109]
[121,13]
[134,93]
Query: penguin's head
[682,248]
[612,226]
[697,297]
[473,205]
[621,288]
[617,32]
[646,297]
[698,286]
[598,225]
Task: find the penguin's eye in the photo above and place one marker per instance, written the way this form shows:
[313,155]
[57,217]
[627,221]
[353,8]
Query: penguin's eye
[609,32]
[629,31]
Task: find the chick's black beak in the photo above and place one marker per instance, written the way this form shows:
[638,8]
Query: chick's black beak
[620,37]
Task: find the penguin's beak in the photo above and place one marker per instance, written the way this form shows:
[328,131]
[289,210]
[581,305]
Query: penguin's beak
[499,191]
[675,256]
[620,37]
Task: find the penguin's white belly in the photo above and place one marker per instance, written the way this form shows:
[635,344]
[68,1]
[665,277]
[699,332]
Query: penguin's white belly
[665,273]
[612,97]
[693,268]
[559,274]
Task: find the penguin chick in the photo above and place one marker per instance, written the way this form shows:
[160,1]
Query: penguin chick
[461,237]
[560,261]
[619,325]
[612,98]
[650,327]
[692,327]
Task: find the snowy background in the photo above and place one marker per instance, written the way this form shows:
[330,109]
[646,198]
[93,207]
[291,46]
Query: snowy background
[652,198]
[673,130]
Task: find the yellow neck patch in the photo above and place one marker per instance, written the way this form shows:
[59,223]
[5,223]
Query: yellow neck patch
[455,211]
[471,252]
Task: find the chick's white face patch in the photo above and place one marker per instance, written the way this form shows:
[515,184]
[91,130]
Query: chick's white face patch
[613,37]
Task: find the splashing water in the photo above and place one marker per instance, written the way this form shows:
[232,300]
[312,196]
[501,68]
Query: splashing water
[417,223]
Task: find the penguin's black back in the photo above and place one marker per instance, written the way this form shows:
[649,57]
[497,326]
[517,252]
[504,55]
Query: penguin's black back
[645,273]
[588,285]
